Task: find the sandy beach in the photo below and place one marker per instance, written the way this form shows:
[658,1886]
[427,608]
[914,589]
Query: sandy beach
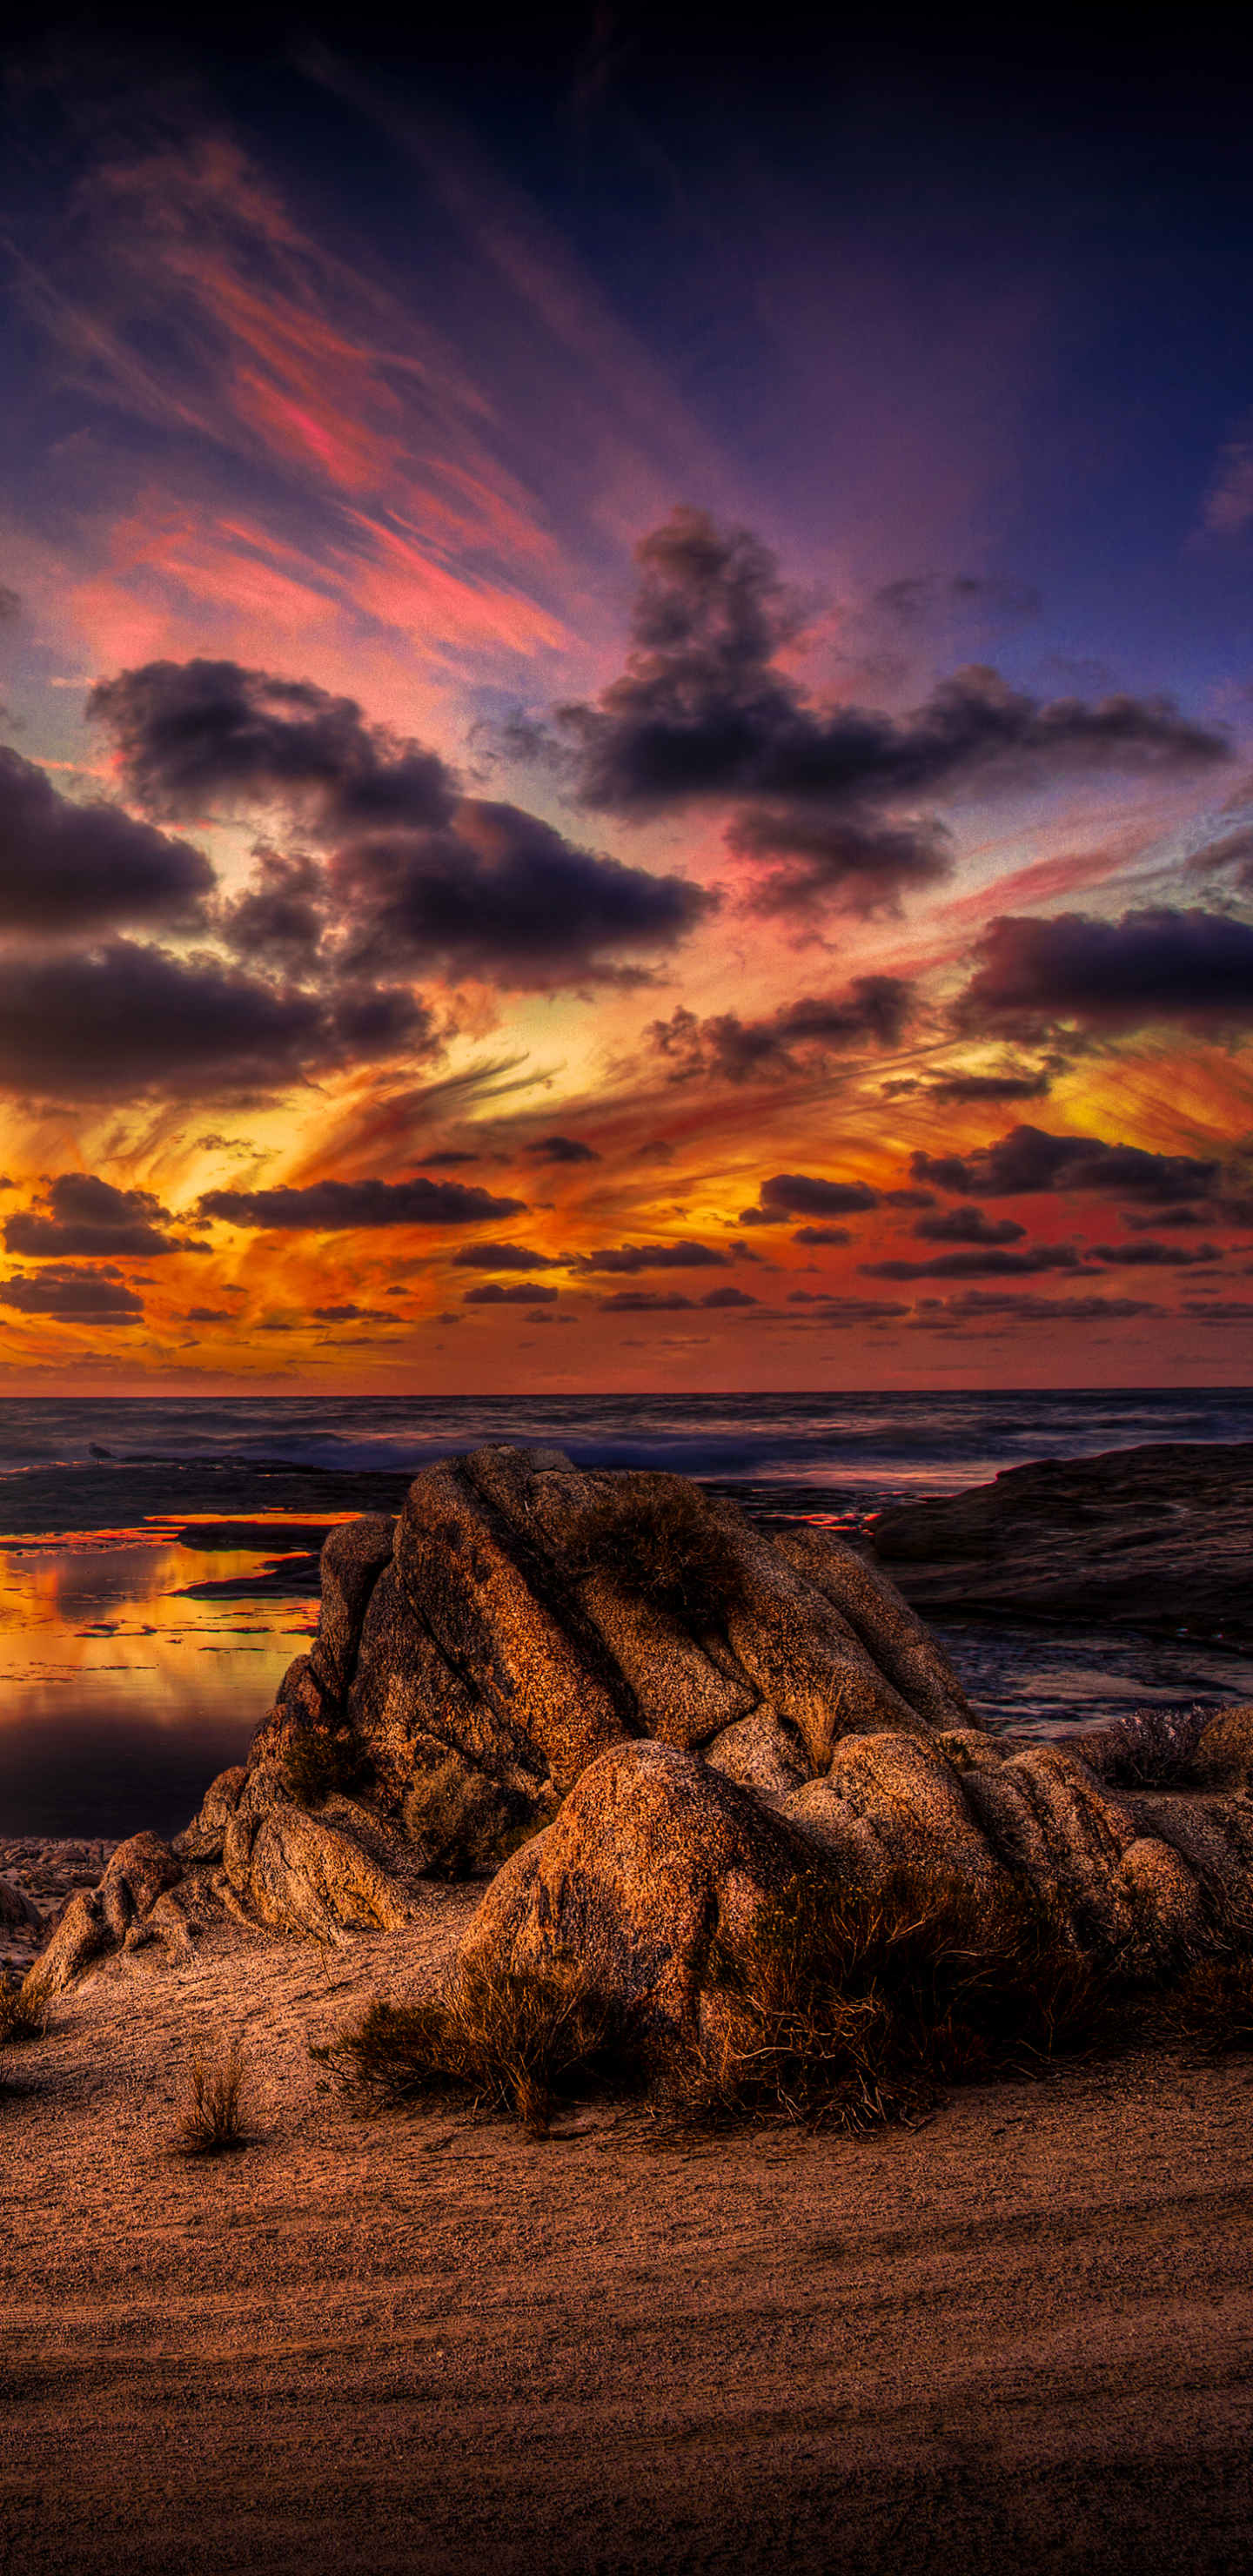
[1021,2335]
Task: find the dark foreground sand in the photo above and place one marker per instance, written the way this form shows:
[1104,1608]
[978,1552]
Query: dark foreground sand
[1020,2338]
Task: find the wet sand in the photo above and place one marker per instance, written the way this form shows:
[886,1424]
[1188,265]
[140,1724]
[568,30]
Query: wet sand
[1018,2338]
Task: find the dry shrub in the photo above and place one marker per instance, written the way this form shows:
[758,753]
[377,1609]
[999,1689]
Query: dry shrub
[212,2123]
[500,2042]
[463,1820]
[840,2007]
[20,2018]
[1212,2004]
[849,2007]
[659,1539]
[318,1762]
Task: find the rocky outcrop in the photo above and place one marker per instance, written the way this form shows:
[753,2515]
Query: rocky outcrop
[482,1653]
[111,1916]
[665,1715]
[658,1869]
[1223,1758]
[1159,1538]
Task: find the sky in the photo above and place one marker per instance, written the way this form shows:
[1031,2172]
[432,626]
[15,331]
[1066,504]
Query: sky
[626,661]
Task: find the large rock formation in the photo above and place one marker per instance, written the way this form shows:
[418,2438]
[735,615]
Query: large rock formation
[1159,1538]
[516,1620]
[669,1714]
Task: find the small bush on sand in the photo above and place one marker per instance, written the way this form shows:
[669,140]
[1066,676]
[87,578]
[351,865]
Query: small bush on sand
[212,2122]
[662,1543]
[318,1762]
[500,2042]
[852,2008]
[19,2017]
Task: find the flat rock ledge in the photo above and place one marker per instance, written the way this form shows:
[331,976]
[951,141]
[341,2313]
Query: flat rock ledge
[514,1680]
[1158,1538]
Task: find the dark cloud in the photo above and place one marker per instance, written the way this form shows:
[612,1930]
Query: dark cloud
[81,1215]
[77,1296]
[704,712]
[561,1149]
[1178,1217]
[642,1301]
[937,1314]
[987,1264]
[10,602]
[66,869]
[862,868]
[1077,974]
[953,1088]
[202,737]
[449,1160]
[1154,1256]
[799,1194]
[505,897]
[909,1198]
[209,1315]
[129,1020]
[352,1315]
[823,1234]
[416,876]
[968,1225]
[845,1311]
[282,917]
[1028,1161]
[1218,1310]
[872,1013]
[631,1258]
[503,1256]
[344,1207]
[492,1294]
[638,1301]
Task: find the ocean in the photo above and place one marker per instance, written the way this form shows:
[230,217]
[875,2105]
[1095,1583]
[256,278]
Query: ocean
[158,1557]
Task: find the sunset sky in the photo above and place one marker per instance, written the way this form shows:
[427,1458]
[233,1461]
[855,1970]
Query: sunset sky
[626,673]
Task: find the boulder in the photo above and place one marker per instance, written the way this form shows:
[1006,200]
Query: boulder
[1082,1847]
[653,1857]
[484,1648]
[1223,1758]
[892,1634]
[321,1873]
[892,1802]
[353,1557]
[17,1909]
[140,1872]
[764,1754]
[673,1713]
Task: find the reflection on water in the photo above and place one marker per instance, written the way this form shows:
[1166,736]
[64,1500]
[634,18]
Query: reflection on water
[119,1700]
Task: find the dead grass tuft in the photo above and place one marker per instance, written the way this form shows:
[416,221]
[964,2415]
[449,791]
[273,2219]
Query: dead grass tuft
[499,2042]
[661,1542]
[318,1762]
[212,2122]
[20,2018]
[852,2008]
